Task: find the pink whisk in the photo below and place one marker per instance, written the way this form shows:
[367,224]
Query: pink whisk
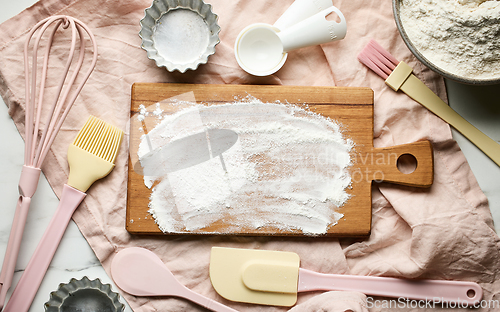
[37,147]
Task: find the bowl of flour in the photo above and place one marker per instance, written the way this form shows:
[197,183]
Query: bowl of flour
[458,39]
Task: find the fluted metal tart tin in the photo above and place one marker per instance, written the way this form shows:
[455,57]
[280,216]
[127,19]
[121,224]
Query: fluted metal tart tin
[84,295]
[179,34]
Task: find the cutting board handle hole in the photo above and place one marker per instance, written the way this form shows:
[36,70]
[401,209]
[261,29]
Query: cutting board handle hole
[407,163]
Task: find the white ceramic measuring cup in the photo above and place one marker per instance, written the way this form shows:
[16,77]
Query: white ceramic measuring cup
[261,49]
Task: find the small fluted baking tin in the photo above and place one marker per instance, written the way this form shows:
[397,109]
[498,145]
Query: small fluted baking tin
[84,295]
[179,34]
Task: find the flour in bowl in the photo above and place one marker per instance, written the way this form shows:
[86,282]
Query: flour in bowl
[246,165]
[461,37]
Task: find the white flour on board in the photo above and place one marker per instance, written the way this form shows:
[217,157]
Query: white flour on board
[248,163]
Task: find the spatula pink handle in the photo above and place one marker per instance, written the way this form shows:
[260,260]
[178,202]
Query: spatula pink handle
[30,281]
[433,290]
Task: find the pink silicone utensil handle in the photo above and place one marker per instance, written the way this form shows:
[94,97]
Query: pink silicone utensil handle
[27,187]
[13,246]
[30,281]
[210,304]
[433,290]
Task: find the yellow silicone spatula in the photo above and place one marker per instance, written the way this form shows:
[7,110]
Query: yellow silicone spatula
[274,278]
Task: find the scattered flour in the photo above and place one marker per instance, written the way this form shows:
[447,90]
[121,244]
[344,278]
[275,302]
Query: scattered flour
[248,163]
[459,36]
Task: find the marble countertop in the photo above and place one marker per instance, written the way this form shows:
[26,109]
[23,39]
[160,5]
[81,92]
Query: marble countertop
[74,257]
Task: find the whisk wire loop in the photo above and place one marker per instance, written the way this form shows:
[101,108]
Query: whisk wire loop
[37,149]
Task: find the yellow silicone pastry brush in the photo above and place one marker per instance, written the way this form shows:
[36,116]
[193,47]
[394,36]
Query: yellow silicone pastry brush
[398,76]
[90,157]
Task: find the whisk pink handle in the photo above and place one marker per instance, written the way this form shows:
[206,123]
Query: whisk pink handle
[30,281]
[13,246]
[27,187]
[433,290]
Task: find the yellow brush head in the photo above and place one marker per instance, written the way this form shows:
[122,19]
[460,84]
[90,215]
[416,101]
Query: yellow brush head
[93,153]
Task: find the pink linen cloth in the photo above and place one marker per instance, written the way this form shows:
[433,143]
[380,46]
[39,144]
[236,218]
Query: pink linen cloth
[445,232]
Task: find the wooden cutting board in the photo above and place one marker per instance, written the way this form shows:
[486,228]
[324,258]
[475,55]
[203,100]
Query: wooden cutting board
[351,107]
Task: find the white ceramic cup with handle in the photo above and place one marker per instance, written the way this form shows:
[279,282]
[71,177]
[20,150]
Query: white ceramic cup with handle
[261,49]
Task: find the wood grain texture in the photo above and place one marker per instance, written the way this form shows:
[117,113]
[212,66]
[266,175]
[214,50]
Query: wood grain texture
[351,107]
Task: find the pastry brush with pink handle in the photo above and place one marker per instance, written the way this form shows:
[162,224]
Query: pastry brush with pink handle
[91,157]
[398,76]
